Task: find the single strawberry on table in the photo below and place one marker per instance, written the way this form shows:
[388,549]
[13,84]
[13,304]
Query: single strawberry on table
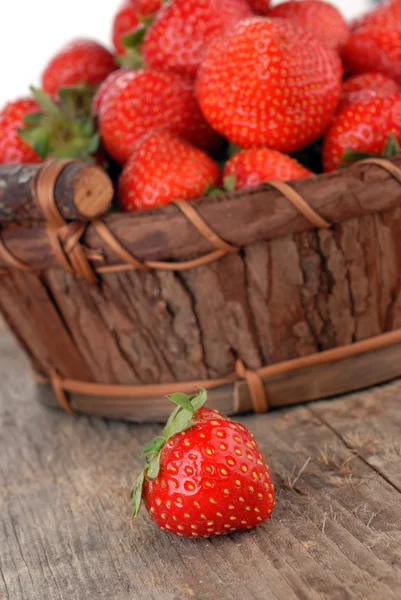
[13,149]
[374,49]
[254,166]
[269,82]
[205,475]
[81,61]
[163,168]
[320,18]
[144,100]
[178,38]
[363,127]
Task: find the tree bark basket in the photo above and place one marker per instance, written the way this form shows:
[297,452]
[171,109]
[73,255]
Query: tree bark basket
[291,292]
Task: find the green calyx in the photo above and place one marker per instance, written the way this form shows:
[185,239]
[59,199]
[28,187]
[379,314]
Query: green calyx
[352,156]
[63,129]
[180,419]
[132,59]
[229,183]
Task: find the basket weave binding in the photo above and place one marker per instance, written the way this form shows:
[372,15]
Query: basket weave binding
[65,242]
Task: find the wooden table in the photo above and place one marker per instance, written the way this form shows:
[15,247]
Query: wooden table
[65,533]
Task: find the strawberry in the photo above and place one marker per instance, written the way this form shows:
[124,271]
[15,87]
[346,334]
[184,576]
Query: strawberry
[369,81]
[268,83]
[163,168]
[140,101]
[371,49]
[146,8]
[81,61]
[385,16]
[13,149]
[320,18]
[178,39]
[104,88]
[255,165]
[260,7]
[363,127]
[205,475]
[125,22]
[361,88]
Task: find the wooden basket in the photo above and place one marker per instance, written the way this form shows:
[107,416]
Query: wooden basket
[269,297]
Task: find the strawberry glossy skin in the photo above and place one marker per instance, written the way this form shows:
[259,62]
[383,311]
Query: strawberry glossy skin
[371,81]
[268,83]
[105,87]
[145,8]
[81,61]
[385,16]
[371,49]
[125,22]
[363,127]
[163,168]
[254,166]
[13,150]
[320,18]
[365,87]
[178,39]
[141,101]
[260,7]
[213,480]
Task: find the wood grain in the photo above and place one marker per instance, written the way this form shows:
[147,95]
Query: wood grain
[81,191]
[64,530]
[240,219]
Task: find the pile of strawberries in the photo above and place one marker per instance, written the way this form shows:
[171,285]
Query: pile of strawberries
[202,96]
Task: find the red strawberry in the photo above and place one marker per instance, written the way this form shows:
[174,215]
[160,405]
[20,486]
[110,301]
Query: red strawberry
[205,475]
[163,168]
[178,38]
[81,61]
[367,86]
[385,16]
[370,81]
[140,101]
[255,165]
[125,22]
[145,8]
[320,18]
[363,127]
[260,7]
[12,148]
[372,49]
[268,83]
[104,89]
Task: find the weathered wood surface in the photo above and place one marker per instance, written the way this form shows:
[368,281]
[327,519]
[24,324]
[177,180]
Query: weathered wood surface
[247,217]
[64,533]
[81,191]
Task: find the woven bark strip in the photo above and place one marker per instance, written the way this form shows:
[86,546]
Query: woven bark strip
[82,191]
[292,291]
[240,219]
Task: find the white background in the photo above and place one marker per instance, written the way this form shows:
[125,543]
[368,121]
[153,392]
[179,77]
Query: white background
[32,30]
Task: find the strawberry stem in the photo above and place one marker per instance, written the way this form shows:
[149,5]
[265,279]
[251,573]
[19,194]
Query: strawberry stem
[180,419]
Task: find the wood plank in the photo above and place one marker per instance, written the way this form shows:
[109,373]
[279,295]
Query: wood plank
[64,531]
[370,425]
